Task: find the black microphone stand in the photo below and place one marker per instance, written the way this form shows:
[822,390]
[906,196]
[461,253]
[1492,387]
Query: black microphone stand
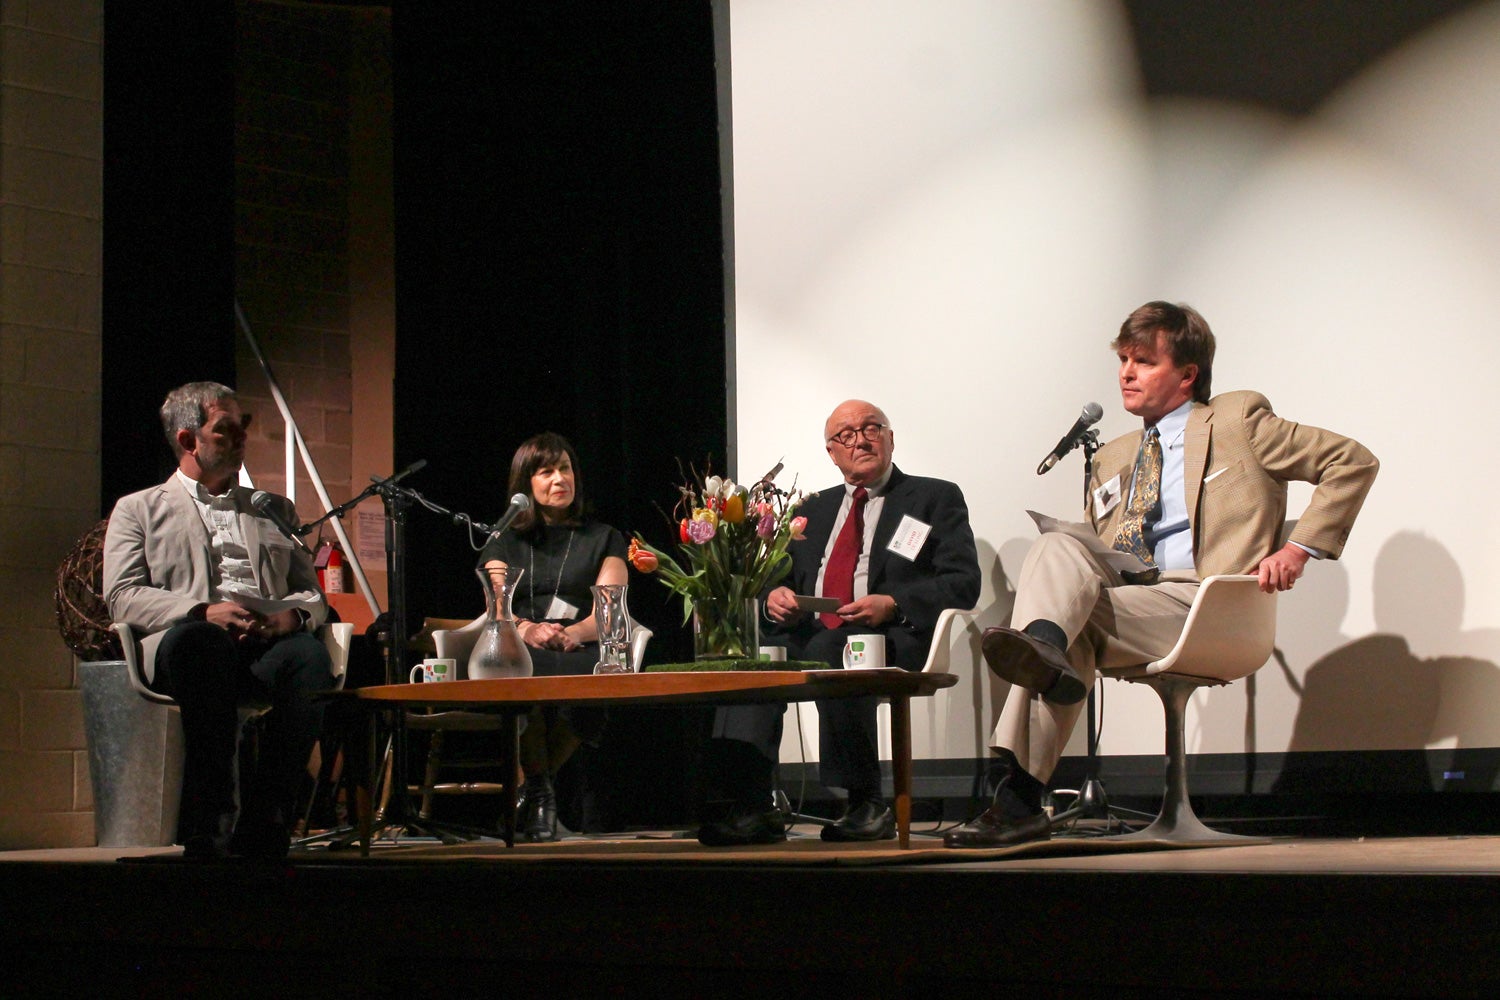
[395,814]
[1092,801]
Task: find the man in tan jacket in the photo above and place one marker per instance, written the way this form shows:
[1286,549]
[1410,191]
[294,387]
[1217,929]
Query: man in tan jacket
[1199,491]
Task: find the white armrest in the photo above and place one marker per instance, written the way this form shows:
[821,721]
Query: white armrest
[939,653]
[134,667]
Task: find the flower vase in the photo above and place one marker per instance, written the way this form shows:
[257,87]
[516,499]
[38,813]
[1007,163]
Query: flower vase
[726,628]
[613,620]
[499,651]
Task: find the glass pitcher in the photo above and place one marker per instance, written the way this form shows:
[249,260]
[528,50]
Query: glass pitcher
[613,619]
[499,651]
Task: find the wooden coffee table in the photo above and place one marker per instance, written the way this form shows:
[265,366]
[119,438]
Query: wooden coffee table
[513,698]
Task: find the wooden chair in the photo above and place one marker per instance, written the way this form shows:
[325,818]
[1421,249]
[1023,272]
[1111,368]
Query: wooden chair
[1229,634]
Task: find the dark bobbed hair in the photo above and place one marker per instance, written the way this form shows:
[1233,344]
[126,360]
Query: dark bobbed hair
[1185,333]
[544,449]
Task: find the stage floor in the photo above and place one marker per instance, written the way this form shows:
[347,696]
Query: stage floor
[1457,855]
[1407,916]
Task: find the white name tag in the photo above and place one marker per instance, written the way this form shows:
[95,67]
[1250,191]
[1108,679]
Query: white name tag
[909,537]
[560,609]
[1107,497]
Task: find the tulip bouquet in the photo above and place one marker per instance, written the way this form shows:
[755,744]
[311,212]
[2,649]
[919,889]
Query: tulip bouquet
[733,541]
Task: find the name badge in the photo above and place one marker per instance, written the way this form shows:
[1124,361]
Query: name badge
[1107,497]
[909,538]
[560,609]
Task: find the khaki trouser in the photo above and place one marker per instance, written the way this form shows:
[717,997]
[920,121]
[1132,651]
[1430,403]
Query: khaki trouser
[1109,623]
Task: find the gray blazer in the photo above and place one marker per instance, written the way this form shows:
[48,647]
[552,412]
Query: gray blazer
[158,556]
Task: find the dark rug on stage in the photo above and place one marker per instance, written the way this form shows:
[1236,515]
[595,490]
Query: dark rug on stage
[671,848]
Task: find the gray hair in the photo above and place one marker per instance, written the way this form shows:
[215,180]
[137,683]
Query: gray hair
[185,409]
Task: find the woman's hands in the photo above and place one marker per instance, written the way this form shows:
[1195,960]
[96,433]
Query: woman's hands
[547,635]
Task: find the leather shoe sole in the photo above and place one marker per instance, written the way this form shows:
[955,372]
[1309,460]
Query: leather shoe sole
[863,824]
[1033,664]
[993,830]
[744,829]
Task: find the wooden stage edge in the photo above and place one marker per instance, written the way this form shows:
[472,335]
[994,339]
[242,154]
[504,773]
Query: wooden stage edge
[1406,916]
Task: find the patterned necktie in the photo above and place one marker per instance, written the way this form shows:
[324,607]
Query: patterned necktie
[838,575]
[1144,497]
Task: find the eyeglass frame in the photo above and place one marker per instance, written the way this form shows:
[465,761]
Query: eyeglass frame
[855,433]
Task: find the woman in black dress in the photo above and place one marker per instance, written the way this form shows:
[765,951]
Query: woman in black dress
[563,554]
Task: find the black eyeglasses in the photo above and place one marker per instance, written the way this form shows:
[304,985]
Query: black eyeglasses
[870,432]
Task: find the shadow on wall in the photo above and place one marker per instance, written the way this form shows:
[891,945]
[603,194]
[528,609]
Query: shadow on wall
[1415,682]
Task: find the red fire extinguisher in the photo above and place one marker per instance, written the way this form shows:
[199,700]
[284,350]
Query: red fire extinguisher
[330,565]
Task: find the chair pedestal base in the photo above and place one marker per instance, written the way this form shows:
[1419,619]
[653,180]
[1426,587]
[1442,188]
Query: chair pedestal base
[1177,823]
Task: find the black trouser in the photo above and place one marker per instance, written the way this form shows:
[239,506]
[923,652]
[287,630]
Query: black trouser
[210,675]
[848,748]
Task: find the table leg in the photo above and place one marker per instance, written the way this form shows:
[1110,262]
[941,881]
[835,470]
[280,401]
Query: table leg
[364,789]
[901,767]
[510,756]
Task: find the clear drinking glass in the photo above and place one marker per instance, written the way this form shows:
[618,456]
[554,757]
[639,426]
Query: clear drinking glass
[613,619]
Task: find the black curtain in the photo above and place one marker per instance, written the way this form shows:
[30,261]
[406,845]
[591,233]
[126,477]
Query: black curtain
[559,256]
[168,235]
[559,265]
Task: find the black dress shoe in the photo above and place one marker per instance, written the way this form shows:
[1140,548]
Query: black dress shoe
[1033,664]
[767,827]
[995,829]
[541,810]
[872,819]
[260,840]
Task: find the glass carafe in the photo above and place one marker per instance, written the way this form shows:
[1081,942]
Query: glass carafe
[613,619]
[499,651]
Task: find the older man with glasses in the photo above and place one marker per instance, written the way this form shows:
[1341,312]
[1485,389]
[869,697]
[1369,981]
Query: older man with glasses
[895,551]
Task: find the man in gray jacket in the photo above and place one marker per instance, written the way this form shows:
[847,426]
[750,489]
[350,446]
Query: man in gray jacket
[227,605]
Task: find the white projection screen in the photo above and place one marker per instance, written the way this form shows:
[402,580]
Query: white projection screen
[948,206]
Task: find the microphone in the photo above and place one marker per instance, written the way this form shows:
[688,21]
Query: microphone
[518,503]
[1088,418]
[770,477]
[266,504]
[416,466]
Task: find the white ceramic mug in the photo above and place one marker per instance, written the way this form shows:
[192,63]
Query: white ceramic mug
[435,669]
[864,651]
[776,654]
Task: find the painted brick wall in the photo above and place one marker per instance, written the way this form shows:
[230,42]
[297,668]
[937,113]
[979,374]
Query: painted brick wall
[292,263]
[292,237]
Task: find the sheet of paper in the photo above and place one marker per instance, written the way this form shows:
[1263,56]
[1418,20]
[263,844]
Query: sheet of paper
[260,605]
[1123,562]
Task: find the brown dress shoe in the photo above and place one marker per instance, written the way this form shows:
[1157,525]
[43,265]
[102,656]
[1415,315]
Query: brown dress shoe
[1033,664]
[992,828]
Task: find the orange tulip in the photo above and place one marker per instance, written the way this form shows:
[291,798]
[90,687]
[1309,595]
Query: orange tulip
[734,509]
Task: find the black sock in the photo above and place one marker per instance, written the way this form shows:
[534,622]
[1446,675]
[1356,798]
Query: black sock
[1018,795]
[1049,632]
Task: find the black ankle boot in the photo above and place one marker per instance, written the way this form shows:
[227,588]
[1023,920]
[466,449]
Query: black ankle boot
[541,809]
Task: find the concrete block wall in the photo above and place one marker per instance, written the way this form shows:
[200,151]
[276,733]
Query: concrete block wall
[50,224]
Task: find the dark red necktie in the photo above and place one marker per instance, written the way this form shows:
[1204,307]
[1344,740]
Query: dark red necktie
[838,575]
